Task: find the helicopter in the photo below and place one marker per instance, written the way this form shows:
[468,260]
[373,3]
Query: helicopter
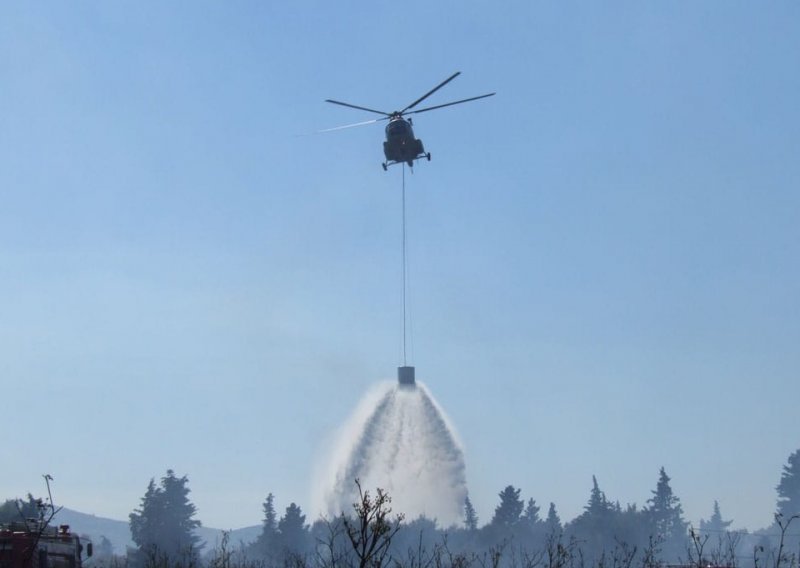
[400,145]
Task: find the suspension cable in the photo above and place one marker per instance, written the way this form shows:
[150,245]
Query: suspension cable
[405,261]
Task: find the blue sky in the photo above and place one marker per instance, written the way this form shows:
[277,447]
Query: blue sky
[603,257]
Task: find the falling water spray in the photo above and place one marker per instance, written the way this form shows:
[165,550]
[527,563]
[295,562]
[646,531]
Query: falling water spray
[400,440]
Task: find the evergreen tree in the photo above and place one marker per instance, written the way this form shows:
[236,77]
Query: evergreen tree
[789,488]
[595,525]
[267,542]
[507,513]
[163,525]
[145,521]
[293,531]
[20,510]
[665,517]
[530,517]
[553,522]
[470,516]
[270,518]
[598,504]
[715,524]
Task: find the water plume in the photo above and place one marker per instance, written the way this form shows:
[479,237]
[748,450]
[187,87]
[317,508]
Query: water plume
[400,440]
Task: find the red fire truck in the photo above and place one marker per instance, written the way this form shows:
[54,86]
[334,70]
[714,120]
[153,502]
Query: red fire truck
[31,545]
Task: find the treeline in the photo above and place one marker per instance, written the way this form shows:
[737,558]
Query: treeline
[520,534]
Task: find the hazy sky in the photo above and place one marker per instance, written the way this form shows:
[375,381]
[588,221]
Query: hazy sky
[603,257]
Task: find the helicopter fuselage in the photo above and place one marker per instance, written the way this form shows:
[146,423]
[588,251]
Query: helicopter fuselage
[400,145]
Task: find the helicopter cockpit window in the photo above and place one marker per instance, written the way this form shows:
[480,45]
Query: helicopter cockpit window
[396,128]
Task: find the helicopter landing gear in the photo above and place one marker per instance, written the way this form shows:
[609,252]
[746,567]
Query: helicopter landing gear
[385,167]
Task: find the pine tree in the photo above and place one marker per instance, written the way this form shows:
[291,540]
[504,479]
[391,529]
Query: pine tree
[596,513]
[595,526]
[293,530]
[145,521]
[507,513]
[163,524]
[179,511]
[598,504]
[19,509]
[270,518]
[531,515]
[267,542]
[665,516]
[470,516]
[789,488]
[715,524]
[553,522]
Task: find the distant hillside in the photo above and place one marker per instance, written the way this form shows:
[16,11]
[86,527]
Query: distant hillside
[118,532]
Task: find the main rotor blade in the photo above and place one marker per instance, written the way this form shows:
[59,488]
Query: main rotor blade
[450,104]
[429,93]
[374,120]
[357,107]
